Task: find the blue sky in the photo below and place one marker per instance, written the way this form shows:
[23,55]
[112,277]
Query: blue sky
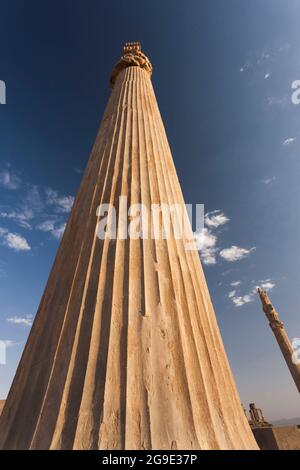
[223,71]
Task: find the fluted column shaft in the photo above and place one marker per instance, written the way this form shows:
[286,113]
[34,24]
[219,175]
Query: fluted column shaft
[287,352]
[125,351]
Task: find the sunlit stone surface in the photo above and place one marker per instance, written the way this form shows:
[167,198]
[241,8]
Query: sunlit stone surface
[125,351]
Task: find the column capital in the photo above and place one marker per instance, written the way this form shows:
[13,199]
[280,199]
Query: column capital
[132,57]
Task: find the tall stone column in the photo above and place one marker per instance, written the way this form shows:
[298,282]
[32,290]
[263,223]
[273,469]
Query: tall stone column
[281,336]
[125,351]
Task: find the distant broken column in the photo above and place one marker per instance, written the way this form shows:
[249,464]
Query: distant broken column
[257,418]
[281,336]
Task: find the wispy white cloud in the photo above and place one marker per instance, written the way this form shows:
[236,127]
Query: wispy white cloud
[267,285]
[207,239]
[33,207]
[215,219]
[235,253]
[16,242]
[28,205]
[289,141]
[13,240]
[268,181]
[280,101]
[206,243]
[46,226]
[9,180]
[263,59]
[34,201]
[235,283]
[61,203]
[259,59]
[240,299]
[246,66]
[24,320]
[52,227]
[59,231]
[263,56]
[21,218]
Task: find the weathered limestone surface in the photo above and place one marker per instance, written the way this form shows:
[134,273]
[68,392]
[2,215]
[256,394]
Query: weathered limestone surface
[281,336]
[278,438]
[125,351]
